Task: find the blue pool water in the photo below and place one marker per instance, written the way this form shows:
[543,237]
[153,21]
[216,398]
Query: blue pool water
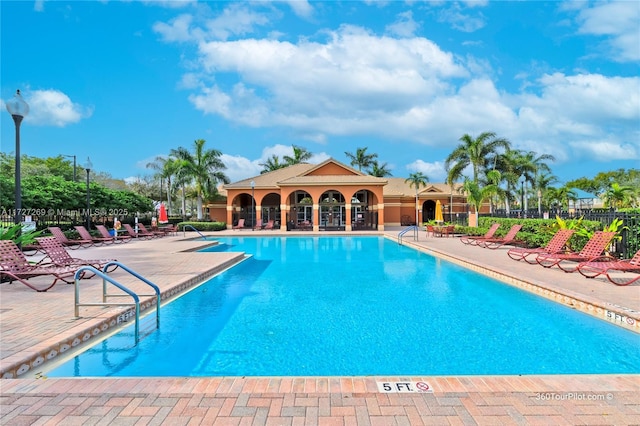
[310,306]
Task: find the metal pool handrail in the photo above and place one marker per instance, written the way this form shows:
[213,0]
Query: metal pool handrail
[413,228]
[189,226]
[129,292]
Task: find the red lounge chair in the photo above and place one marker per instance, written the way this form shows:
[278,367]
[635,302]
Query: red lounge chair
[240,224]
[104,232]
[14,266]
[72,244]
[474,240]
[85,235]
[555,245]
[59,256]
[594,248]
[258,224]
[508,239]
[132,232]
[144,229]
[604,265]
[269,225]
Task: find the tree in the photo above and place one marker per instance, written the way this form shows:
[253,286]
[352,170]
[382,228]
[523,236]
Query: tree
[272,163]
[361,158]
[166,168]
[204,167]
[417,180]
[300,155]
[476,194]
[476,153]
[379,170]
[618,196]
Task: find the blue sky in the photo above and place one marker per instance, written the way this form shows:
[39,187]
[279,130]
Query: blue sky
[124,82]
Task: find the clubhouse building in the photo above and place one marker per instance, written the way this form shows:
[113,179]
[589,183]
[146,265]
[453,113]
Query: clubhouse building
[334,197]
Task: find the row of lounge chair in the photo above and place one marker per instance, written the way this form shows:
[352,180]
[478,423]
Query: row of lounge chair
[259,225]
[57,264]
[88,240]
[590,261]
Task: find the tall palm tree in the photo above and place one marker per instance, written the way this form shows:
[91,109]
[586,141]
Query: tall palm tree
[272,163]
[379,170]
[361,158]
[166,168]
[300,155]
[475,152]
[417,180]
[204,167]
[477,194]
[543,181]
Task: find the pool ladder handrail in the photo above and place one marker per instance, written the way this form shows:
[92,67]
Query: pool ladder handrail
[136,297]
[413,228]
[190,226]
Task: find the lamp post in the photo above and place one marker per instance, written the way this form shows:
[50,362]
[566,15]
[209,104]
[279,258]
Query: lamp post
[18,109]
[74,165]
[522,199]
[88,167]
[253,209]
[417,205]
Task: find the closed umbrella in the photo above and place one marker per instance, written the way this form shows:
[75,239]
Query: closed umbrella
[439,217]
[162,215]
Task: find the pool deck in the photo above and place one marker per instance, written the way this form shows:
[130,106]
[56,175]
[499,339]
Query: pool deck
[36,327]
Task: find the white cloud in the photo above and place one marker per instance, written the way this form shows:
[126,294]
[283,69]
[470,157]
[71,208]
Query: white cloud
[301,8]
[606,150]
[404,26]
[434,171]
[460,20]
[54,108]
[620,21]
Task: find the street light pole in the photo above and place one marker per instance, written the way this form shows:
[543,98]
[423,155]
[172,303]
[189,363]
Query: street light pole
[18,109]
[74,165]
[522,200]
[253,209]
[416,205]
[88,167]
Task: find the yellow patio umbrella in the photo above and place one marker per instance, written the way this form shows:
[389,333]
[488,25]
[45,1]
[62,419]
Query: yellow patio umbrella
[439,217]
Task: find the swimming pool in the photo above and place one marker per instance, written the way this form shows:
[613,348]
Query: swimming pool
[316,306]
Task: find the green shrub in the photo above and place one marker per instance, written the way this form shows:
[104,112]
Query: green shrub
[202,226]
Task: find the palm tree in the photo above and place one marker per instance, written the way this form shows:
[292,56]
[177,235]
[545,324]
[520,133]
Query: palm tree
[166,168]
[361,158]
[618,196]
[417,180]
[300,155]
[476,153]
[272,163]
[379,170]
[204,167]
[476,194]
[542,182]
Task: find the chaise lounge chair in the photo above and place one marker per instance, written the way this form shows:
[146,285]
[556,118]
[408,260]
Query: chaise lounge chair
[594,248]
[604,265]
[474,240]
[240,224]
[59,256]
[269,225]
[86,235]
[132,232]
[155,233]
[104,232]
[508,239]
[555,245]
[14,266]
[72,244]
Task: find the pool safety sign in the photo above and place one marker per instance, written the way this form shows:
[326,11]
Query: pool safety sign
[404,387]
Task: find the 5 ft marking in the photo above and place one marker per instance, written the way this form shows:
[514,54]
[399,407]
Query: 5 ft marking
[404,387]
